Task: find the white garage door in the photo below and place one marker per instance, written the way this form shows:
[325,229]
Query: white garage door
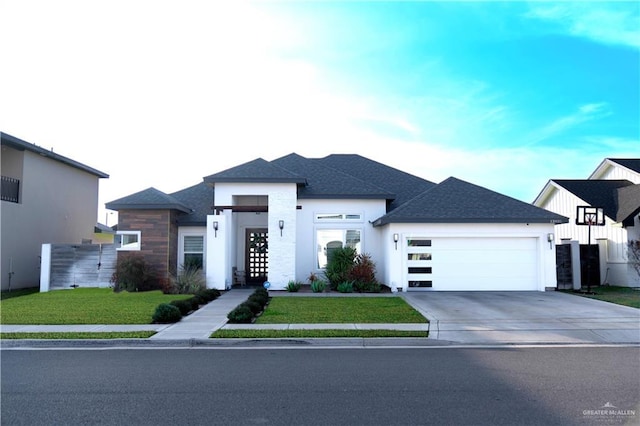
[471,264]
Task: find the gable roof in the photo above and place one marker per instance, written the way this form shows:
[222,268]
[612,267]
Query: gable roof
[148,199]
[596,193]
[403,185]
[199,198]
[20,145]
[327,182]
[256,171]
[628,202]
[457,201]
[629,163]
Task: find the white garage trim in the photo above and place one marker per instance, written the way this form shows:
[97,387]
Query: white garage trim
[471,263]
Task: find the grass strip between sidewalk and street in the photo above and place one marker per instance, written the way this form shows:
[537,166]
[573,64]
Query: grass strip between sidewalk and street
[82,306]
[327,333]
[79,335]
[339,310]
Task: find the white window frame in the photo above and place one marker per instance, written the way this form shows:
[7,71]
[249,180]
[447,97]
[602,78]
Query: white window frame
[337,217]
[132,246]
[192,233]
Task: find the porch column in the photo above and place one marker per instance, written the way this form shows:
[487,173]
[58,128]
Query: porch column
[217,256]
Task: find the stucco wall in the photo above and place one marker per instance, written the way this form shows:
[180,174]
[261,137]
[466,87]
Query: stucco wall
[58,204]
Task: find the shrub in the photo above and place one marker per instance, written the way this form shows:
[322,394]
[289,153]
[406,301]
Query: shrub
[185,306]
[259,299]
[293,286]
[166,313]
[363,272]
[240,315]
[255,307]
[262,290]
[189,280]
[208,294]
[318,286]
[133,274]
[345,287]
[367,287]
[339,265]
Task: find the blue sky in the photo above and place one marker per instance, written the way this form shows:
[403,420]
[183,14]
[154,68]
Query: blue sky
[161,93]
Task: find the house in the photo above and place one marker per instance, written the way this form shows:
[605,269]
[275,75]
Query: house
[278,221]
[46,198]
[614,187]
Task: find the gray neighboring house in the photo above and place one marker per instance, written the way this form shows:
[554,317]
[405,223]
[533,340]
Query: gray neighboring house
[279,220]
[46,198]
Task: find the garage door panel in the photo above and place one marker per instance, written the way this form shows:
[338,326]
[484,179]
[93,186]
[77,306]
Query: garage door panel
[491,264]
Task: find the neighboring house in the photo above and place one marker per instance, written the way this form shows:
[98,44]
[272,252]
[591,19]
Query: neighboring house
[615,187]
[103,234]
[46,198]
[279,220]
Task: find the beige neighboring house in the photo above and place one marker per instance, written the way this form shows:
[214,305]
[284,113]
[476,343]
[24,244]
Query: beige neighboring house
[46,198]
[615,187]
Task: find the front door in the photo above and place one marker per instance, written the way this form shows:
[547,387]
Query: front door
[257,255]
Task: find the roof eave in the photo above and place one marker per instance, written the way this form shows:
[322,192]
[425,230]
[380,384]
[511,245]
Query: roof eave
[554,221]
[124,206]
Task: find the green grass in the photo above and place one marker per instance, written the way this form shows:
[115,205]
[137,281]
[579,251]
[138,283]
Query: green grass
[338,310]
[80,335]
[82,306]
[619,295]
[275,334]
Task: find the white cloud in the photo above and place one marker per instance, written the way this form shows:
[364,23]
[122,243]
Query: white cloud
[603,22]
[584,113]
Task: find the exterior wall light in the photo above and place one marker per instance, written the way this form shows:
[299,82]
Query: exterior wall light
[215,229]
[281,226]
[550,239]
[396,237]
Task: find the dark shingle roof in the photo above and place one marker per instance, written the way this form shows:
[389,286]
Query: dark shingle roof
[457,201]
[326,182]
[258,170]
[19,144]
[628,202]
[148,199]
[199,198]
[596,193]
[404,185]
[629,163]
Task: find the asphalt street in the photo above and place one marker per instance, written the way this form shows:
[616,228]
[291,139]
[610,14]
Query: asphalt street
[338,386]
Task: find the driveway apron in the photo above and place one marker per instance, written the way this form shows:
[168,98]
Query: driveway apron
[525,317]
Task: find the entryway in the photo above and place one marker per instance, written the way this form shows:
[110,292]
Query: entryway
[256,255]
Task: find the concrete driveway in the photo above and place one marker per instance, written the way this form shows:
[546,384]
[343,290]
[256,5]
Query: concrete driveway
[525,317]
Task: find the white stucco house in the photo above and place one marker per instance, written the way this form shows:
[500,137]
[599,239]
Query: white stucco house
[421,235]
[614,186]
[46,198]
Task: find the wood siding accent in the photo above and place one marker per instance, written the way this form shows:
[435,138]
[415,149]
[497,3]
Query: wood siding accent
[158,238]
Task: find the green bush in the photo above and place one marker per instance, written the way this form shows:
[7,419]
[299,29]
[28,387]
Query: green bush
[259,299]
[133,273]
[240,315]
[339,265]
[208,294]
[293,286]
[318,286]
[184,305]
[166,314]
[345,287]
[262,291]
[255,307]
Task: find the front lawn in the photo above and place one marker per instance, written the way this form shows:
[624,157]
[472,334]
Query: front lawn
[325,333]
[626,296]
[79,335]
[82,306]
[334,310]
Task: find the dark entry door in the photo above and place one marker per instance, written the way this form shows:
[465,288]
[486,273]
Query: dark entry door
[589,265]
[257,255]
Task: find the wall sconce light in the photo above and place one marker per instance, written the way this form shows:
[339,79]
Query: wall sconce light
[281,226]
[215,229]
[396,237]
[550,238]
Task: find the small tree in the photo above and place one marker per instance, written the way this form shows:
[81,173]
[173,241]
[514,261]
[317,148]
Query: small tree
[339,265]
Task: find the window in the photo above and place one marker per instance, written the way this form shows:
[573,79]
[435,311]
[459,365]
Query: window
[328,240]
[128,240]
[328,217]
[193,249]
